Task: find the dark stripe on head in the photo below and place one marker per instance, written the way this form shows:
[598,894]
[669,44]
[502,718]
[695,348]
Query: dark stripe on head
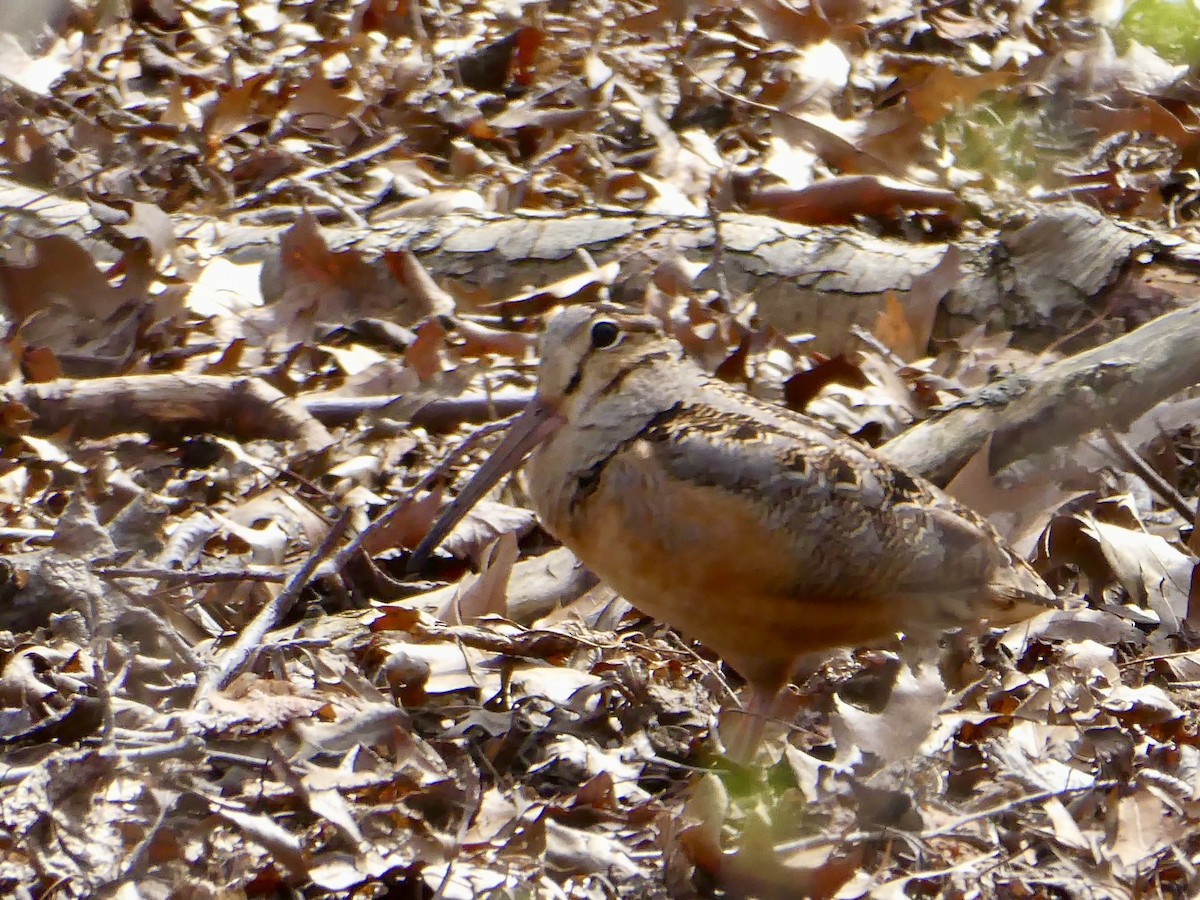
[617,380]
[576,379]
[637,324]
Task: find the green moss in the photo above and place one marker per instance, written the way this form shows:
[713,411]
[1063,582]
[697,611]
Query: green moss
[1171,27]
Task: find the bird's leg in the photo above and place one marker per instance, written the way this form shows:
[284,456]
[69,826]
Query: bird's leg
[746,731]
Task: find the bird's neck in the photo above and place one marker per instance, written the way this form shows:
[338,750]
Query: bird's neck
[609,414]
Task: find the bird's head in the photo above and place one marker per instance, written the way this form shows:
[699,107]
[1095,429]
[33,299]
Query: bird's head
[586,353]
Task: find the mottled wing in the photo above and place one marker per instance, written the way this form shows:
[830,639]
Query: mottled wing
[844,516]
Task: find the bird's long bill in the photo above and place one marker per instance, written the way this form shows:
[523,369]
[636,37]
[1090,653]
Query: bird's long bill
[536,423]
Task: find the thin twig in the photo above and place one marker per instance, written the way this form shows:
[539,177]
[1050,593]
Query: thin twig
[290,181]
[946,830]
[441,415]
[192,576]
[1157,483]
[338,203]
[269,617]
[878,346]
[30,535]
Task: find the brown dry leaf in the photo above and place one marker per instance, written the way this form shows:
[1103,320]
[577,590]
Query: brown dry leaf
[1021,511]
[1066,830]
[457,880]
[675,275]
[582,288]
[61,273]
[338,871]
[436,203]
[230,360]
[901,728]
[497,816]
[479,340]
[266,541]
[1154,572]
[356,358]
[894,331]
[487,521]
[933,92]
[359,723]
[253,705]
[424,354]
[1146,826]
[430,299]
[279,506]
[733,367]
[49,451]
[1031,751]
[781,21]
[925,297]
[838,200]
[225,288]
[609,775]
[1072,626]
[703,335]
[954,26]
[318,105]
[22,675]
[578,852]
[800,389]
[149,223]
[406,525]
[267,832]
[238,107]
[448,668]
[1142,706]
[36,72]
[703,819]
[39,364]
[486,67]
[487,593]
[308,265]
[1139,113]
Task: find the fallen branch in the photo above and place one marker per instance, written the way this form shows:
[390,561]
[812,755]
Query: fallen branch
[247,408]
[1110,385]
[437,415]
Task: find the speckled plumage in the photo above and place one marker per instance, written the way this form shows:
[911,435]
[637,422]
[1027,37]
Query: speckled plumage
[763,533]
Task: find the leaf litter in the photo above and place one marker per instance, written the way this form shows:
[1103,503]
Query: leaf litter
[173,464]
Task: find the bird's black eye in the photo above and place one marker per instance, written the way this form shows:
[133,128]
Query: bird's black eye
[605,334]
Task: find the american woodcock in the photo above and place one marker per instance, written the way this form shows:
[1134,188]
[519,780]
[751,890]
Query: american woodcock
[763,533]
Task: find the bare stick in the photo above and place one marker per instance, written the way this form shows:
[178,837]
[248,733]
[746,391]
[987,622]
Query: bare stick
[192,576]
[946,830]
[1157,483]
[1111,384]
[272,613]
